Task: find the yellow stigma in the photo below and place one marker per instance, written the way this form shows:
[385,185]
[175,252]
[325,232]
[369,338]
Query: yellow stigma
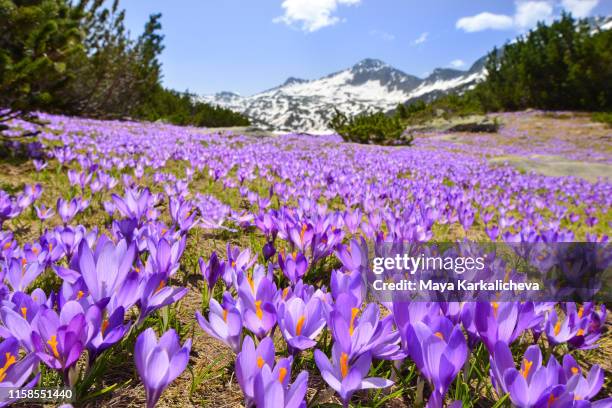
[10,360]
[258,310]
[260,361]
[294,254]
[24,312]
[580,332]
[304,228]
[580,312]
[526,367]
[344,368]
[137,270]
[557,328]
[300,325]
[495,306]
[251,283]
[7,245]
[52,342]
[575,370]
[80,294]
[225,315]
[233,264]
[439,335]
[35,250]
[282,373]
[160,287]
[551,400]
[354,313]
[104,327]
[285,292]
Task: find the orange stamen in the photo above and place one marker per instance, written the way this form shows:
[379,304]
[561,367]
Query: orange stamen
[260,361]
[52,342]
[557,328]
[304,228]
[526,367]
[104,326]
[258,310]
[344,368]
[10,360]
[495,306]
[282,373]
[160,287]
[24,312]
[354,313]
[300,325]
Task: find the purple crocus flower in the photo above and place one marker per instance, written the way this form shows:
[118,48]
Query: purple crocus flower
[293,266]
[155,294]
[105,271]
[67,209]
[135,203]
[224,323]
[159,363]
[111,329]
[60,340]
[44,213]
[528,384]
[301,322]
[20,274]
[272,386]
[345,377]
[503,321]
[439,350]
[39,164]
[357,332]
[16,372]
[250,361]
[211,271]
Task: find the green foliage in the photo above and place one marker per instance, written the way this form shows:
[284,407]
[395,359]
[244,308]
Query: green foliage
[38,39]
[445,107]
[78,58]
[376,128]
[182,109]
[603,117]
[565,65]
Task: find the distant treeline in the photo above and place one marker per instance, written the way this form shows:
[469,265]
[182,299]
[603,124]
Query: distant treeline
[566,65]
[78,58]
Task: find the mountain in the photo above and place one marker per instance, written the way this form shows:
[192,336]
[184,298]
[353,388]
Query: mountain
[300,105]
[370,85]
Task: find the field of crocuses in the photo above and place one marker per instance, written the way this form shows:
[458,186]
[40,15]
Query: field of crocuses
[147,264]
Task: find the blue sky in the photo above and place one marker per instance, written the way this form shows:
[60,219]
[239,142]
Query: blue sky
[248,46]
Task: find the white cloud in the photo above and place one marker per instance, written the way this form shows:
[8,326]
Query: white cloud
[383,35]
[421,39]
[528,13]
[312,15]
[457,63]
[485,21]
[579,8]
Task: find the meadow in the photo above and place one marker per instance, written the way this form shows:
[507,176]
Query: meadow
[151,264]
